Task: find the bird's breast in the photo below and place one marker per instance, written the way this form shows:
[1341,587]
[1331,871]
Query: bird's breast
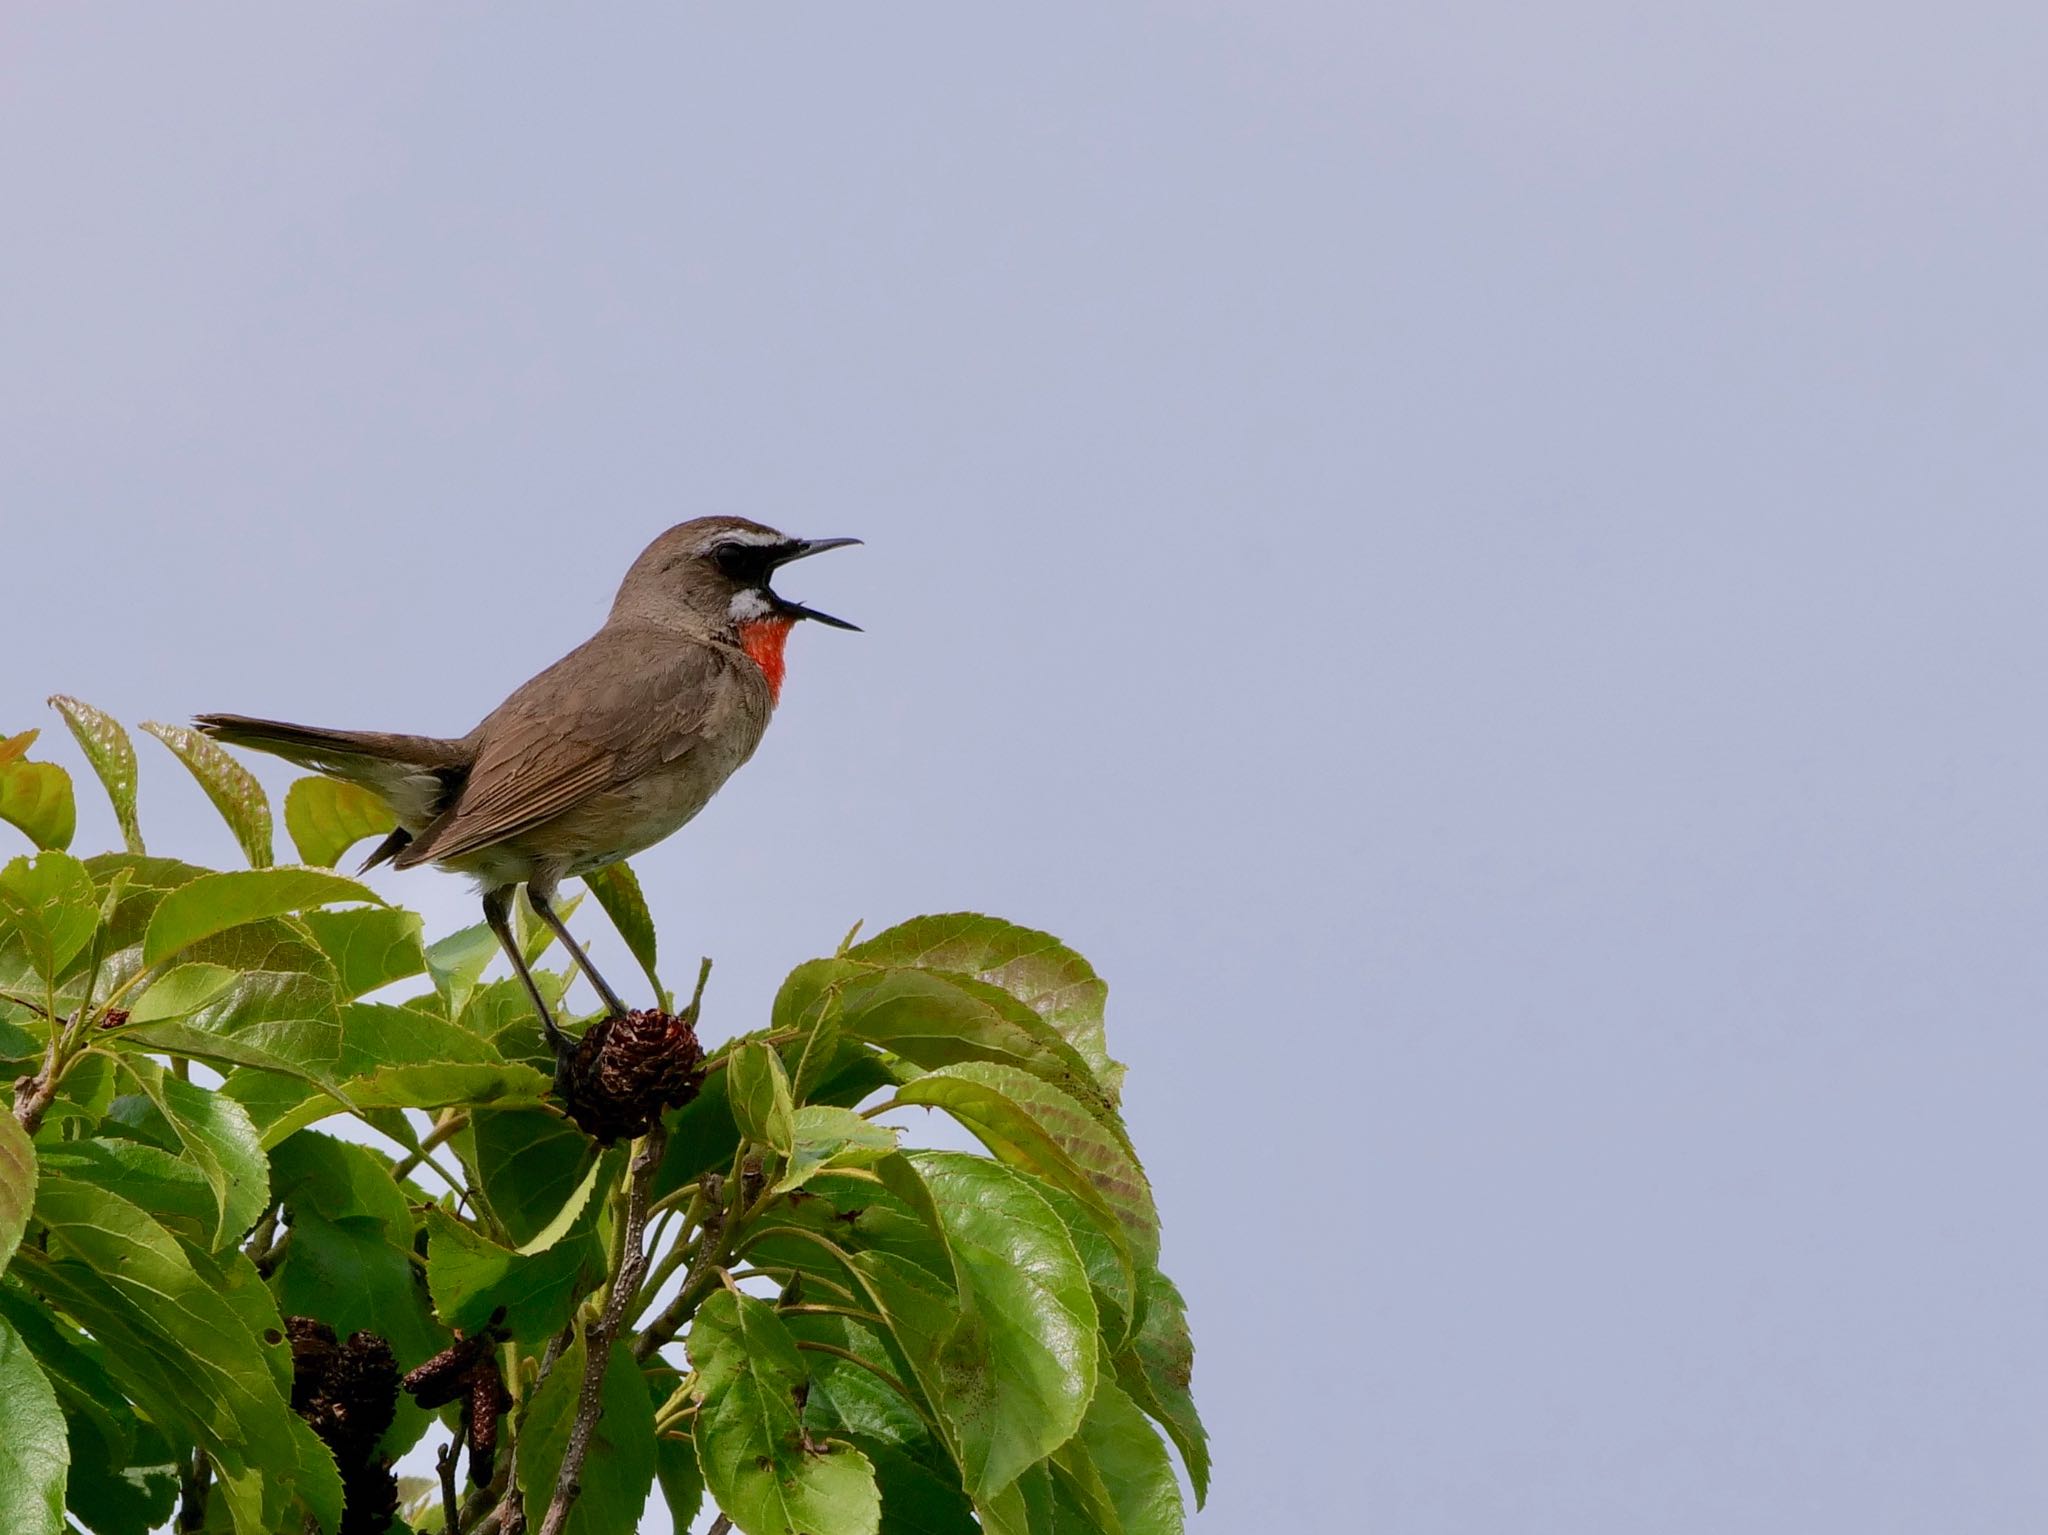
[762,639]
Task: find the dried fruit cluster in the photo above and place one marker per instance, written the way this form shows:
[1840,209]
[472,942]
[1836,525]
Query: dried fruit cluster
[467,1371]
[628,1068]
[347,1393]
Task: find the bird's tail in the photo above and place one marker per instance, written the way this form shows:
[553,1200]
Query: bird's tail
[416,775]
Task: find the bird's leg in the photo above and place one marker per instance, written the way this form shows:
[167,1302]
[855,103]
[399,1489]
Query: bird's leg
[541,899]
[498,913]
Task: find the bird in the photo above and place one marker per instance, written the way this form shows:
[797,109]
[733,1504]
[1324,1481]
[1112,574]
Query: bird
[610,750]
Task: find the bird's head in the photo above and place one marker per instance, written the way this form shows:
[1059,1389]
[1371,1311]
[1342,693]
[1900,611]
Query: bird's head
[712,575]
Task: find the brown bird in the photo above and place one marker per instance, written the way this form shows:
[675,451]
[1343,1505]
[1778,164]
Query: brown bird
[607,752]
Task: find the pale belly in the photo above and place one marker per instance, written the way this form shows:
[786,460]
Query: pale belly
[616,823]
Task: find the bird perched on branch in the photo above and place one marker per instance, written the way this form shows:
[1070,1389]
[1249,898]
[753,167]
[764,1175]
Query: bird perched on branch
[607,752]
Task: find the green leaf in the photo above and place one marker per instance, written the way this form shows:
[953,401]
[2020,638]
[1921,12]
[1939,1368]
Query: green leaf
[1121,1462]
[813,1058]
[619,1472]
[457,962]
[1031,1124]
[920,1485]
[1106,1257]
[829,1137]
[49,907]
[617,889]
[371,946]
[170,1188]
[218,1135]
[759,1091]
[278,1013]
[1007,1352]
[682,1480]
[135,884]
[36,797]
[121,1482]
[1156,1368]
[121,1494]
[471,1276]
[339,1180]
[326,817]
[112,755]
[529,1163]
[233,788]
[1035,968]
[181,991]
[766,1472]
[17,1184]
[223,1052]
[35,1452]
[213,903]
[176,1338]
[934,1020]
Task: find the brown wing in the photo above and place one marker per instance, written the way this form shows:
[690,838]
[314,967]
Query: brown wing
[617,705]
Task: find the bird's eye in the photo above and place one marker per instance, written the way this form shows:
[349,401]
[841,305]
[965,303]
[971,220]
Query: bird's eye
[746,563]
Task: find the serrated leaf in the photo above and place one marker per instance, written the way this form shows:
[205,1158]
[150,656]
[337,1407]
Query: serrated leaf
[617,889]
[112,755]
[1034,967]
[619,1472]
[933,1019]
[35,1451]
[682,1480]
[48,907]
[120,1481]
[371,946]
[828,1137]
[1156,1368]
[233,788]
[221,1140]
[529,1163]
[857,1398]
[1105,1256]
[1007,1349]
[175,1337]
[457,961]
[17,1184]
[214,903]
[181,991]
[1118,1465]
[36,798]
[325,818]
[470,1277]
[768,1475]
[170,1188]
[1031,1124]
[759,1091]
[277,1013]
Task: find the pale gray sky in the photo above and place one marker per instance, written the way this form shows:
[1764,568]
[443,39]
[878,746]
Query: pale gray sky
[1483,561]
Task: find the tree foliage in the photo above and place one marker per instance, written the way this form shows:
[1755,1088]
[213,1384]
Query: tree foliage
[218,1314]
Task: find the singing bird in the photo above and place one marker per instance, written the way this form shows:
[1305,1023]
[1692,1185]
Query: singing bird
[605,753]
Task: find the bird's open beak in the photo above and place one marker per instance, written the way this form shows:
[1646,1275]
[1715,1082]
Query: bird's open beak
[803,548]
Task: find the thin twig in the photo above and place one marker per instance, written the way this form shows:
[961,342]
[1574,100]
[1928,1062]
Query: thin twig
[598,1336]
[450,1124]
[451,1504]
[722,1525]
[710,1251]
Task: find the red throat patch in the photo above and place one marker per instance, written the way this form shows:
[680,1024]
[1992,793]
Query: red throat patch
[762,639]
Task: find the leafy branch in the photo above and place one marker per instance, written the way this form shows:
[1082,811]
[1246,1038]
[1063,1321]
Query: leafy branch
[217,1313]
